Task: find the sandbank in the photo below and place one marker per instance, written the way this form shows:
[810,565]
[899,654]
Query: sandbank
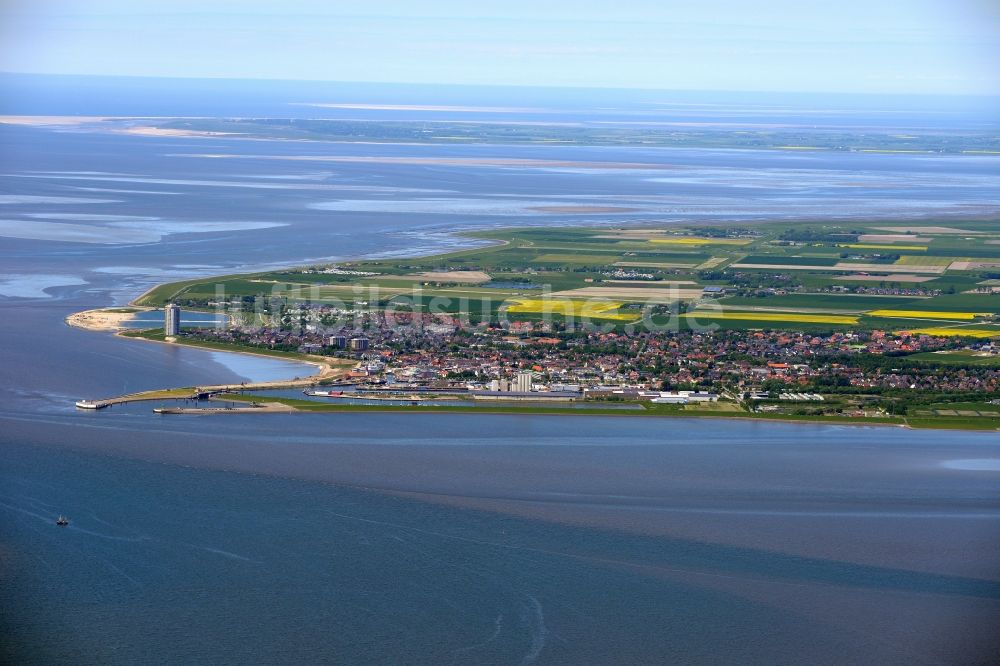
[102,319]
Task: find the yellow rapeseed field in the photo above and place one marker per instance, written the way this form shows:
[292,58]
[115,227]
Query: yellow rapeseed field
[775,316]
[922,314]
[951,332]
[874,246]
[571,308]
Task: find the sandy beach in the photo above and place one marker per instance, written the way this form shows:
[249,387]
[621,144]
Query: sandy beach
[102,319]
[163,131]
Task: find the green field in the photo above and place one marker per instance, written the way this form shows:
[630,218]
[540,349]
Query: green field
[536,260]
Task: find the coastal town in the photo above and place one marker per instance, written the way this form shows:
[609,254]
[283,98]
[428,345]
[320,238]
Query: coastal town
[851,323]
[856,373]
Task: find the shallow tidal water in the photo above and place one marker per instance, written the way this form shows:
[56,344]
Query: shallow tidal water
[463,539]
[459,538]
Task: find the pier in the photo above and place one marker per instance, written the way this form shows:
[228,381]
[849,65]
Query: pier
[207,392]
[255,408]
[166,394]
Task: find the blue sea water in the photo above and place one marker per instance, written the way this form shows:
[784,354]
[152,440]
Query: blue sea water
[468,539]
[430,538]
[176,564]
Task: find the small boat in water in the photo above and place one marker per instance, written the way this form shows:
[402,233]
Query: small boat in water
[324,394]
[62,521]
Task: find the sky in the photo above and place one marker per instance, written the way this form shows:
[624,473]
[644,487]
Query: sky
[854,46]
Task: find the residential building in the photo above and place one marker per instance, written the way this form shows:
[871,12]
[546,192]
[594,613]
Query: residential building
[171,319]
[522,383]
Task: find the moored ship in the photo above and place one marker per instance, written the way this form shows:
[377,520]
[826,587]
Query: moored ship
[90,404]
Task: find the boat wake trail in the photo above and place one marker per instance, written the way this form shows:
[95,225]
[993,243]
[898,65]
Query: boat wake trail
[26,512]
[224,553]
[532,616]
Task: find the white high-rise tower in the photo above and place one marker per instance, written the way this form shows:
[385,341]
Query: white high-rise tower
[171,319]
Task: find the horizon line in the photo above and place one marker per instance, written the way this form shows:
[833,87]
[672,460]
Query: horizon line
[982,95]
